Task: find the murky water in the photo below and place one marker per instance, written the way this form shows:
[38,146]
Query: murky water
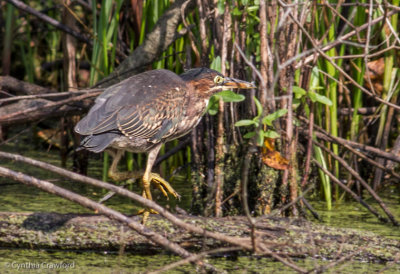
[16,197]
[39,261]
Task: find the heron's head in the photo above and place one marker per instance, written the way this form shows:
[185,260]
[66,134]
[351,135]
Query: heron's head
[208,81]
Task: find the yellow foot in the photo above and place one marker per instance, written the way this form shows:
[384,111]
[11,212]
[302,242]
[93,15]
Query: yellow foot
[163,185]
[146,213]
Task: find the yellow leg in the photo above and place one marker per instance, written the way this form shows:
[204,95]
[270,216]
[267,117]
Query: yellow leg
[113,172]
[147,179]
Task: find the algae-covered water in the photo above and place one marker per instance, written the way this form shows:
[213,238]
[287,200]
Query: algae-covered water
[16,197]
[40,261]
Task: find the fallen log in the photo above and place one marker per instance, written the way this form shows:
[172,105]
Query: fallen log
[30,110]
[18,87]
[292,237]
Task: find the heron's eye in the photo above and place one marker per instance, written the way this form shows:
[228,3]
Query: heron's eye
[218,80]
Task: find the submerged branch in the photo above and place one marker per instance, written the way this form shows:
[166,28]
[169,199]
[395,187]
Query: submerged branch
[294,238]
[348,190]
[361,180]
[322,134]
[244,243]
[69,195]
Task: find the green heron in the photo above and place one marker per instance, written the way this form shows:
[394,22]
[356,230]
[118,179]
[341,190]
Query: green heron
[144,111]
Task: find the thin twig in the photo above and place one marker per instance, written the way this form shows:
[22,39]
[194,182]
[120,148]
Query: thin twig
[322,269]
[51,95]
[236,241]
[69,195]
[348,190]
[193,258]
[322,134]
[24,7]
[361,180]
[347,76]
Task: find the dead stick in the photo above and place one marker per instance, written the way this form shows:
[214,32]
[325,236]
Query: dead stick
[27,112]
[322,134]
[24,7]
[348,190]
[138,198]
[372,162]
[193,258]
[362,181]
[113,214]
[341,39]
[338,68]
[53,95]
[236,241]
[69,195]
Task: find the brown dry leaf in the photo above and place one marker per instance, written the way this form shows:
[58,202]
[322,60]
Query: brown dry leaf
[375,72]
[376,69]
[273,158]
[52,137]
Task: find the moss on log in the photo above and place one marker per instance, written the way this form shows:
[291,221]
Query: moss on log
[292,237]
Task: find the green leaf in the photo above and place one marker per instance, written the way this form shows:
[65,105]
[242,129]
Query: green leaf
[258,105]
[324,100]
[256,121]
[212,111]
[260,138]
[316,97]
[252,8]
[249,135]
[216,64]
[271,134]
[313,96]
[242,123]
[236,12]
[298,92]
[230,96]
[267,120]
[212,107]
[314,79]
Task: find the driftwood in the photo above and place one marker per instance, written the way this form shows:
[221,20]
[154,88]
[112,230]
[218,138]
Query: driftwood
[157,238]
[30,110]
[18,87]
[157,41]
[276,237]
[290,237]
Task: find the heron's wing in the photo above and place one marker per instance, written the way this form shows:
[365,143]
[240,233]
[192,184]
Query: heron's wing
[155,120]
[131,93]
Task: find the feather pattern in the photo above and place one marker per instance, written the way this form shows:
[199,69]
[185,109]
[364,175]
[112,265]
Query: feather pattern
[146,109]
[147,105]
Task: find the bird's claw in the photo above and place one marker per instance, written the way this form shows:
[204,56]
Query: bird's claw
[164,186]
[146,213]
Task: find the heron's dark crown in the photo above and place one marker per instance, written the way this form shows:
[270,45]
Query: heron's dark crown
[197,74]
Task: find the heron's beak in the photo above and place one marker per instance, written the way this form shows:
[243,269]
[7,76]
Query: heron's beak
[236,83]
